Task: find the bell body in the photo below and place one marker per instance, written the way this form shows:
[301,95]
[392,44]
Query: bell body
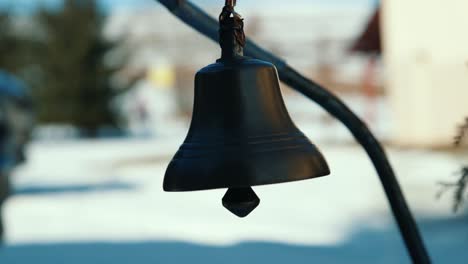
[241,134]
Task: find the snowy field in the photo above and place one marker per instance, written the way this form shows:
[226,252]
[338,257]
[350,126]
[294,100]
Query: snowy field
[101,201]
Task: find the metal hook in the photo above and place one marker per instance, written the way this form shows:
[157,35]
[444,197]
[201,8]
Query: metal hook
[231,3]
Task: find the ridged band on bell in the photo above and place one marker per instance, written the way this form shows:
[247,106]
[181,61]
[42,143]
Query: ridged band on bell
[241,133]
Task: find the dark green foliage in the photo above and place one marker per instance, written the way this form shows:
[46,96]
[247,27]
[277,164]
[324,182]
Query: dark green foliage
[77,89]
[64,65]
[459,186]
[13,50]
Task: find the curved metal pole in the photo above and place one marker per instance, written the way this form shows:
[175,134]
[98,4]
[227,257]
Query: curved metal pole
[199,20]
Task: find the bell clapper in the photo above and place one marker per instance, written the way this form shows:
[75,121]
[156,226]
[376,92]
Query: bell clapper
[241,201]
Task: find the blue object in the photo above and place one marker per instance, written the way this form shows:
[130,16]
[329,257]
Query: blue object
[12,87]
[7,157]
[13,90]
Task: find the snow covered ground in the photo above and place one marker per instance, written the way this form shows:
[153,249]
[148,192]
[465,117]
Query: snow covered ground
[101,201]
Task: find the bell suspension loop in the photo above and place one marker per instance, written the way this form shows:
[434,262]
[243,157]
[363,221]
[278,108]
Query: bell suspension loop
[231,32]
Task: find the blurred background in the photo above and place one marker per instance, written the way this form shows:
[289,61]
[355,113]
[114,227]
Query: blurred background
[96,96]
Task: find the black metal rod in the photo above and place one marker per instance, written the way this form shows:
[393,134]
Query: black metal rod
[208,26]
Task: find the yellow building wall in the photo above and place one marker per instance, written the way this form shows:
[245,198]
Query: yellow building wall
[426,60]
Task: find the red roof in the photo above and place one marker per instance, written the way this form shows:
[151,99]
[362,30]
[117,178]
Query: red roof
[370,41]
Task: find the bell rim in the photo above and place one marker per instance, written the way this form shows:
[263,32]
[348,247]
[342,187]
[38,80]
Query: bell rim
[184,175]
[326,172]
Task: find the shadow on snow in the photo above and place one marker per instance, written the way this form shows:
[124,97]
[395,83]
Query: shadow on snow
[75,188]
[447,240]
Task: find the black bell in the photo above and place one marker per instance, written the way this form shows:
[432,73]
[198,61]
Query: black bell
[241,134]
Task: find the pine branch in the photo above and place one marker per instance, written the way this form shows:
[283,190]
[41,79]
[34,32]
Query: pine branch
[459,187]
[461,134]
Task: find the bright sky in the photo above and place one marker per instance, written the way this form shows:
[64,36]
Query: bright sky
[28,5]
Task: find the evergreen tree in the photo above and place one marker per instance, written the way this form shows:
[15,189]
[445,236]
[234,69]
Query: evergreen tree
[17,52]
[75,84]
[8,44]
[65,68]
